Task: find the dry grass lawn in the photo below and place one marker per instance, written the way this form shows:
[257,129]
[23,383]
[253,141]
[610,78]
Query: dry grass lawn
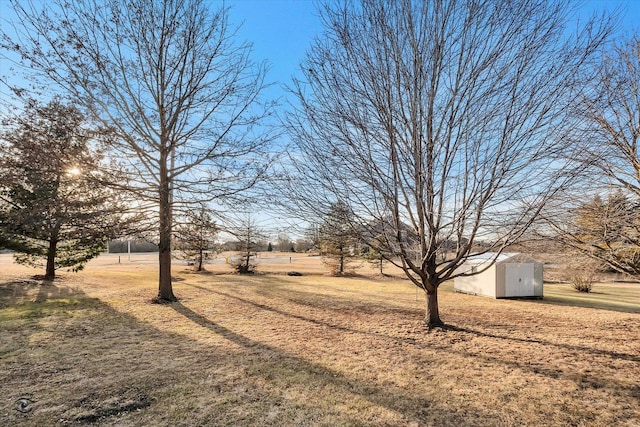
[275,350]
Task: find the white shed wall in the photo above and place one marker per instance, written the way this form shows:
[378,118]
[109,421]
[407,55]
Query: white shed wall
[503,280]
[479,284]
[518,280]
[538,279]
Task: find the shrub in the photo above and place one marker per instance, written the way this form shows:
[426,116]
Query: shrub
[244,265]
[582,283]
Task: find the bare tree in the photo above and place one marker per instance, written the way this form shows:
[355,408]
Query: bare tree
[250,237]
[169,80]
[606,229]
[610,106]
[284,243]
[303,245]
[440,123]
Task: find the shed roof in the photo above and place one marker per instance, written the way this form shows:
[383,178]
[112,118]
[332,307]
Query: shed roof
[487,257]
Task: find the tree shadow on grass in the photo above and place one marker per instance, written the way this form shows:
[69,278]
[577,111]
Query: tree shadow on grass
[276,310]
[554,372]
[48,290]
[269,359]
[567,301]
[18,291]
[450,327]
[129,373]
[334,303]
[590,380]
[47,333]
[15,291]
[578,348]
[584,380]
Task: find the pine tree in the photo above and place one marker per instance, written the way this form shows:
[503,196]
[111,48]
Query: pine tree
[376,259]
[54,207]
[338,239]
[196,236]
[608,231]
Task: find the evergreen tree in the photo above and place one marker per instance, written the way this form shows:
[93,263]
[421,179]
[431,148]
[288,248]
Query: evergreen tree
[337,238]
[376,259]
[195,238]
[608,231]
[54,207]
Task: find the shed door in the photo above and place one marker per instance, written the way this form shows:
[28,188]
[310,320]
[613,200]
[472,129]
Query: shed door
[519,280]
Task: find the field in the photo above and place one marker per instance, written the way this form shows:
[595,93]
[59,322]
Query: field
[275,350]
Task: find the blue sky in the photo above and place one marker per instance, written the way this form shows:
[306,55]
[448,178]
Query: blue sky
[282,30]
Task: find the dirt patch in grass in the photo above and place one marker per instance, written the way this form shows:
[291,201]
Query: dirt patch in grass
[95,408]
[276,350]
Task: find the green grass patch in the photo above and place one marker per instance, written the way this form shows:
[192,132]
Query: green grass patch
[624,297]
[63,308]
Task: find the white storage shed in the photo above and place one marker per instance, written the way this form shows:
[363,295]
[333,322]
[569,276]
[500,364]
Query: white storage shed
[512,276]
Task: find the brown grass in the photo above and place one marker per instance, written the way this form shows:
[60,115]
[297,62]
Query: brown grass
[270,349]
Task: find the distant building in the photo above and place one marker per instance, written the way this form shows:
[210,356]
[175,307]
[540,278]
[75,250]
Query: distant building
[134,245]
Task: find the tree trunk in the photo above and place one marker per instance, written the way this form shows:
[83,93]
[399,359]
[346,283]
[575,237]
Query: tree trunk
[199,260]
[165,291]
[432,317]
[201,246]
[50,272]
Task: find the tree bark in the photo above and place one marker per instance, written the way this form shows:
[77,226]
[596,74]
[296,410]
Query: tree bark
[432,317]
[165,291]
[50,271]
[201,245]
[200,258]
